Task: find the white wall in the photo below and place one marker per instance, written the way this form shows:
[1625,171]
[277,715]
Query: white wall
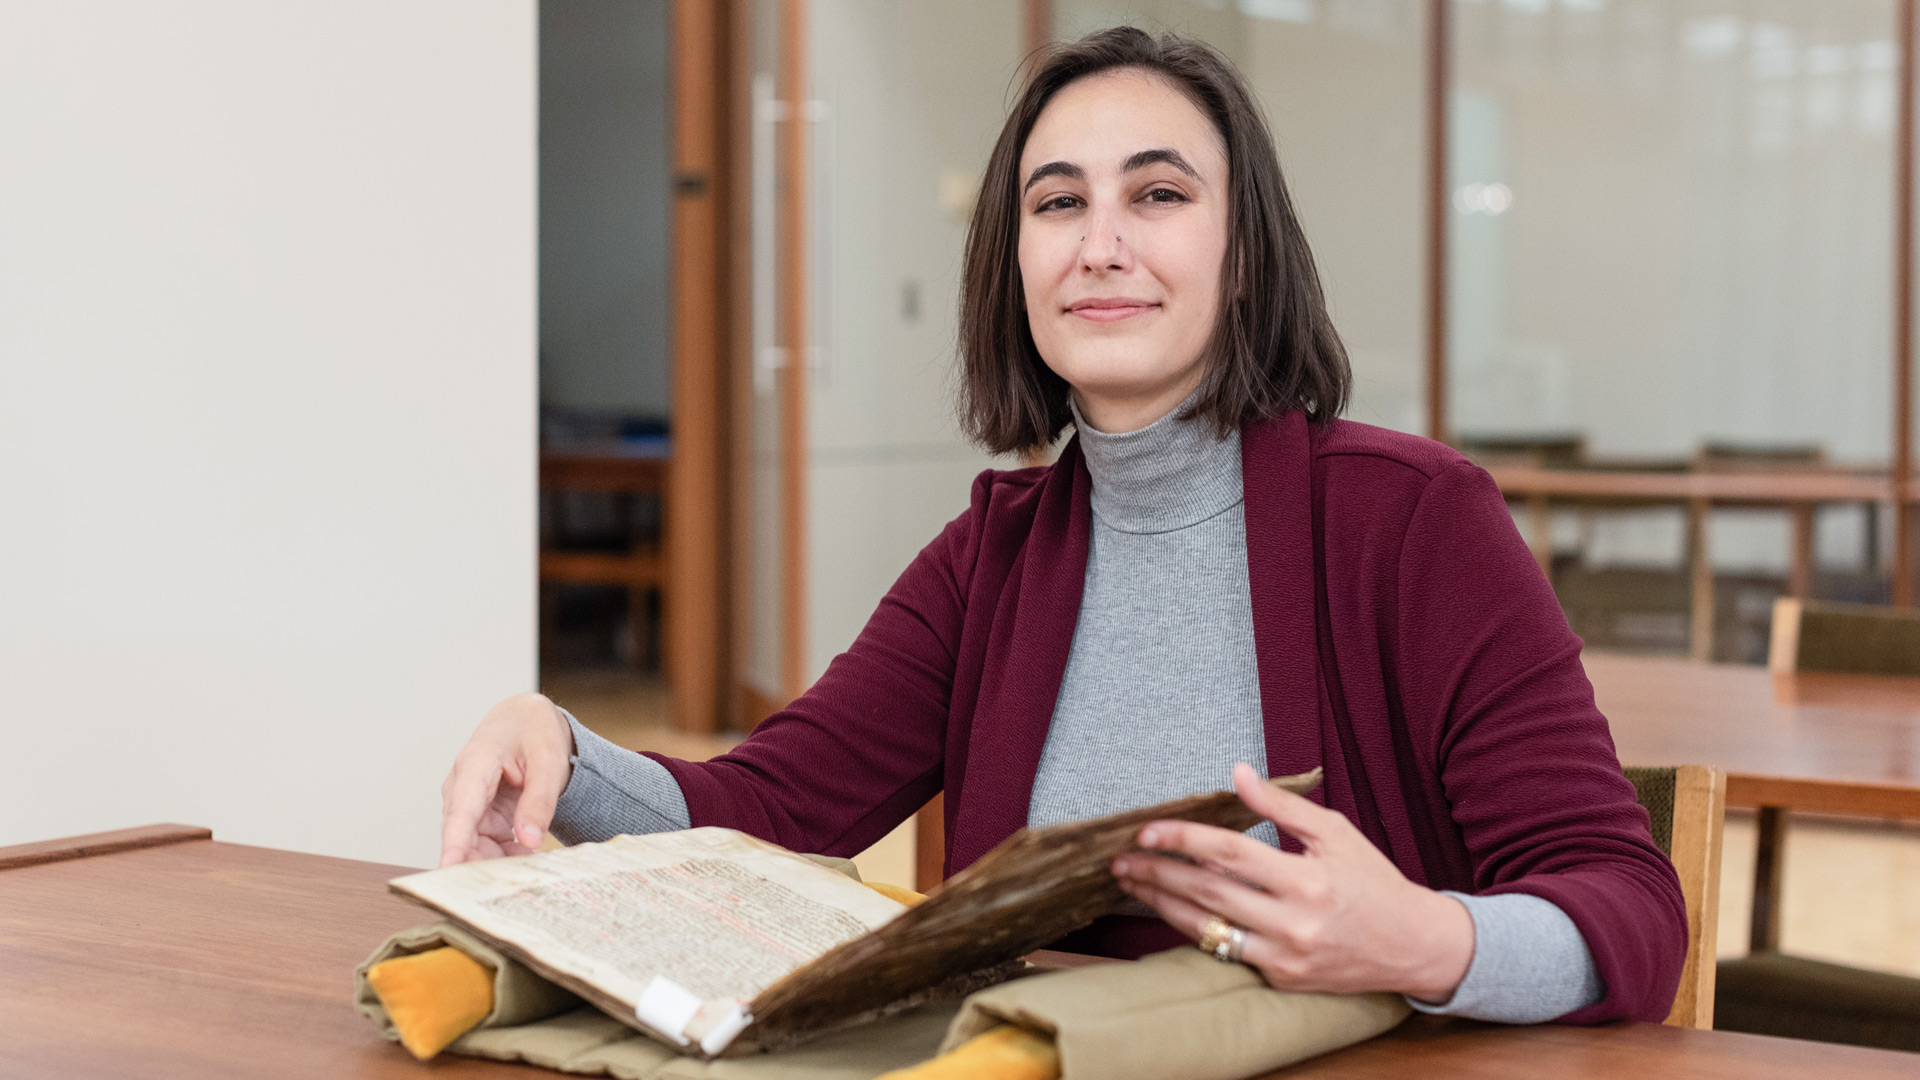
[266,411]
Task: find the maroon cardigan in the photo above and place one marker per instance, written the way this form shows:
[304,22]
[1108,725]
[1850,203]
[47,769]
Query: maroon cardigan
[1406,641]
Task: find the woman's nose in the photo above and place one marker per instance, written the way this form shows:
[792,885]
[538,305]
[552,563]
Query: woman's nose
[1102,248]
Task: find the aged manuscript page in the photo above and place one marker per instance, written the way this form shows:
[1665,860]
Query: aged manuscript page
[677,930]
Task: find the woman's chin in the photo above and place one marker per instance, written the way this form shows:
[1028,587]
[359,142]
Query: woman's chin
[1128,372]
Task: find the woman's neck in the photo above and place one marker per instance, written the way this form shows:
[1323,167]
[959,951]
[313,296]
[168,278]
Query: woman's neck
[1119,413]
[1167,475]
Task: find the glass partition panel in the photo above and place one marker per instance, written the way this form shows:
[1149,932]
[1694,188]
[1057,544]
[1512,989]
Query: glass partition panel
[1672,223]
[1671,247]
[908,99]
[1342,82]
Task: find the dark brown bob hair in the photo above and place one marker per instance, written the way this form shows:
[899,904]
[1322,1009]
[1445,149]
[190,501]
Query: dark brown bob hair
[1273,349]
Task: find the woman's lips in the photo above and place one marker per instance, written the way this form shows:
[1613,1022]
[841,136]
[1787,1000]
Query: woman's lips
[1110,310]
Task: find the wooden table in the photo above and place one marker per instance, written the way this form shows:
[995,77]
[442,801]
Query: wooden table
[1817,741]
[160,953]
[1814,741]
[641,570]
[1743,488]
[189,958]
[1797,491]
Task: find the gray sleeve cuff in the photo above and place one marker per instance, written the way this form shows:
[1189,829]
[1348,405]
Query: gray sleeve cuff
[614,791]
[1530,963]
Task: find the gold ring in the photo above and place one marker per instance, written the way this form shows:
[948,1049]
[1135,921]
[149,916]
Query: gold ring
[1215,936]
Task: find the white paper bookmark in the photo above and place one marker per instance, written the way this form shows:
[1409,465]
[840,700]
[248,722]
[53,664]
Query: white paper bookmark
[667,1007]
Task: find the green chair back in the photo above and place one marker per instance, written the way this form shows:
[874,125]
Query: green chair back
[1865,639]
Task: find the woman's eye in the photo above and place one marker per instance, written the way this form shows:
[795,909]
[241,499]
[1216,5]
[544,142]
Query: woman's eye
[1165,195]
[1058,202]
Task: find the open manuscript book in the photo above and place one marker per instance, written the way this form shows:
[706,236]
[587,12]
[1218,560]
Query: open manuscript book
[713,942]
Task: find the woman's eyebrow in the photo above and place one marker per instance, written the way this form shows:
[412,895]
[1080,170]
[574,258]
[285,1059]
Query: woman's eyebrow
[1162,155]
[1159,156]
[1055,168]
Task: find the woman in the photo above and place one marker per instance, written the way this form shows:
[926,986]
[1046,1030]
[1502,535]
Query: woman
[1216,570]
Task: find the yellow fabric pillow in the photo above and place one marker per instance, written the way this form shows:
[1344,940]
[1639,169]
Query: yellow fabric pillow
[1005,1053]
[895,893]
[433,997]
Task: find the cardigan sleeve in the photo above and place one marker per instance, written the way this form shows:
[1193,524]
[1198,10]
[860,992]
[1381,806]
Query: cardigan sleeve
[864,748]
[1492,684]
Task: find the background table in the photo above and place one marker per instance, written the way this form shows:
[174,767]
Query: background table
[1798,491]
[161,953]
[1813,741]
[639,570]
[1843,744]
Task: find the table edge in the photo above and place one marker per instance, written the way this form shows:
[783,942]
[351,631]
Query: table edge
[1860,798]
[86,846]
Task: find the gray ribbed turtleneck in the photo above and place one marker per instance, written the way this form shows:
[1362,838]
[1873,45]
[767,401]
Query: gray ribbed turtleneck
[1161,696]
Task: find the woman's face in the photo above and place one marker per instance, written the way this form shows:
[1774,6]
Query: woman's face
[1123,229]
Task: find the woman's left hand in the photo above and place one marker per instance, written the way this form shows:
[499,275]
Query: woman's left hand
[1339,917]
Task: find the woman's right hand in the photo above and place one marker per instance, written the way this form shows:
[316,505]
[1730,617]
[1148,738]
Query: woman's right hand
[499,798]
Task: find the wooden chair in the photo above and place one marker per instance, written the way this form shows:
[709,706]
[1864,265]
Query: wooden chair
[1814,635]
[1769,992]
[1687,806]
[1793,997]
[1546,450]
[1753,458]
[1731,456]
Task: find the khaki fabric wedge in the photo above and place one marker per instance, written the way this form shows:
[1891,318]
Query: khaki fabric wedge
[1179,1015]
[1176,1015]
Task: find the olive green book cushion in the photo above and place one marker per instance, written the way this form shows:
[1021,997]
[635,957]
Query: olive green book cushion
[1176,1016]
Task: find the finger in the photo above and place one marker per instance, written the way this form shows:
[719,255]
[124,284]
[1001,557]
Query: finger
[470,789]
[539,793]
[495,824]
[1312,823]
[1221,849]
[1179,912]
[1205,889]
[1282,967]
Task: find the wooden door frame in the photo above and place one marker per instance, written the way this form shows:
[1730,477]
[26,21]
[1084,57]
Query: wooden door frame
[1439,46]
[739,101]
[795,336]
[1901,465]
[747,703]
[697,501]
